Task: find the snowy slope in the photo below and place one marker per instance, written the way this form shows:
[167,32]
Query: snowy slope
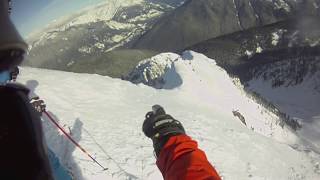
[301,101]
[105,115]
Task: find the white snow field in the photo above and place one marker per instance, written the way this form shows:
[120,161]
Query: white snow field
[105,116]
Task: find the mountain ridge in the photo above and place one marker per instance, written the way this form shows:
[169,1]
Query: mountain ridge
[190,24]
[87,38]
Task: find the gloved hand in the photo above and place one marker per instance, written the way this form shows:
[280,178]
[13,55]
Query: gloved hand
[38,104]
[160,126]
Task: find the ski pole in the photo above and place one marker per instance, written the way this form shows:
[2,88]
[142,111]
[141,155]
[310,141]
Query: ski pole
[73,141]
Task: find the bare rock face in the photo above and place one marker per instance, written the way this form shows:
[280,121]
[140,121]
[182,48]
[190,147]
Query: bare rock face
[200,20]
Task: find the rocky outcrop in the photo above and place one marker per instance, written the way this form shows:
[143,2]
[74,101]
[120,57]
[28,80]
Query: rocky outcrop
[152,71]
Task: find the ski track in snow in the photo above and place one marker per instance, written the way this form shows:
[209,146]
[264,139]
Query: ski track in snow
[105,116]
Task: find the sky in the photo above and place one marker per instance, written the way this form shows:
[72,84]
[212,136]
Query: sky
[31,15]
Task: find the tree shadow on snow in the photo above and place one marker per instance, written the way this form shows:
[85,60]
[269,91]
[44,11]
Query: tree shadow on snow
[56,140]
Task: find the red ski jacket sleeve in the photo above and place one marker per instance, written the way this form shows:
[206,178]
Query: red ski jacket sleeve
[181,159]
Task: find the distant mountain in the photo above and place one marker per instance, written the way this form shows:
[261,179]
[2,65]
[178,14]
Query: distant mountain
[229,31]
[241,51]
[200,20]
[174,3]
[86,38]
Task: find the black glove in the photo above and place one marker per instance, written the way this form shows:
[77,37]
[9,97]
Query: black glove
[160,126]
[38,105]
